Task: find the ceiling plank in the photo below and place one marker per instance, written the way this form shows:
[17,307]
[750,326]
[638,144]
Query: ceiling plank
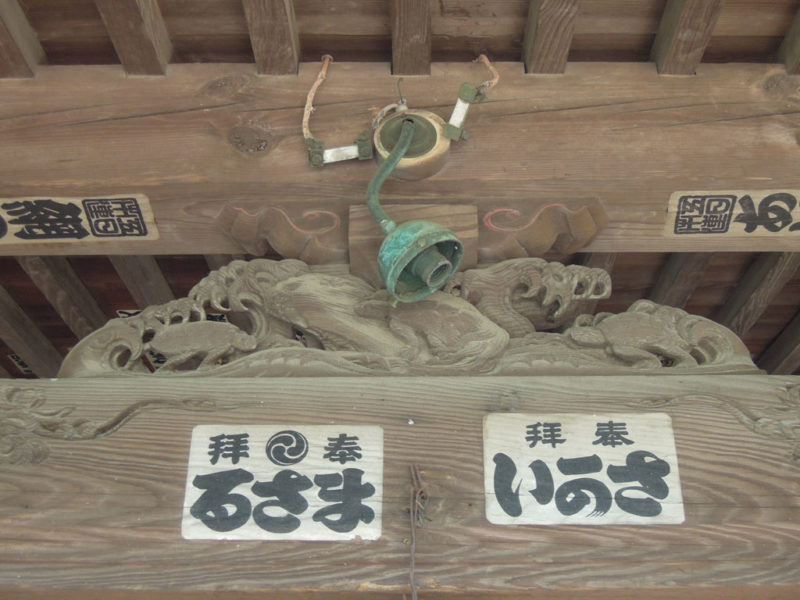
[144,279]
[782,356]
[683,34]
[789,52]
[22,335]
[139,35]
[273,35]
[20,50]
[679,277]
[411,37]
[178,140]
[548,35]
[54,276]
[755,291]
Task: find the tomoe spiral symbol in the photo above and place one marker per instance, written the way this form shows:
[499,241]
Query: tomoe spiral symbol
[287,448]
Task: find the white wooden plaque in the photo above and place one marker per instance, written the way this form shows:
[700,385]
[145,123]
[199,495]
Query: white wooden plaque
[581,469]
[284,482]
[50,219]
[734,213]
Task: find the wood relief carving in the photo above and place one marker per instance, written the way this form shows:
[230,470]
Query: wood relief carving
[26,424]
[504,230]
[513,231]
[312,235]
[519,317]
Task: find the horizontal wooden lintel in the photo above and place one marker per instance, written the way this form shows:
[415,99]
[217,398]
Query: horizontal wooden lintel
[207,135]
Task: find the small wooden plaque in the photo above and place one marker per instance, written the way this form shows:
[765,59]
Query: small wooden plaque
[365,236]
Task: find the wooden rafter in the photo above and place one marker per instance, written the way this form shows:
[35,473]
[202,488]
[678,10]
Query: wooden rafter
[789,51]
[54,276]
[782,356]
[22,335]
[683,34]
[679,277]
[20,50]
[548,35]
[273,35]
[411,37]
[756,290]
[139,34]
[4,374]
[144,279]
[217,261]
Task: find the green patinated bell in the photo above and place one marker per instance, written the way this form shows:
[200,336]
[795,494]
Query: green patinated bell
[417,258]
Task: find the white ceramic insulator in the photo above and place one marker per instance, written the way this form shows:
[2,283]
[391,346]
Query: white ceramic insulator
[339,154]
[459,113]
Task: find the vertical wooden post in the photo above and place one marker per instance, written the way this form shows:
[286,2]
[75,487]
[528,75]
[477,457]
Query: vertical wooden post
[683,34]
[138,33]
[273,35]
[548,35]
[20,50]
[411,37]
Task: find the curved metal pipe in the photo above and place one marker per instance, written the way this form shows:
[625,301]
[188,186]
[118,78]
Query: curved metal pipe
[382,174]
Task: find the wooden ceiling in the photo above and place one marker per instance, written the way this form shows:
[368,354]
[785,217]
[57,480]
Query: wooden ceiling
[624,100]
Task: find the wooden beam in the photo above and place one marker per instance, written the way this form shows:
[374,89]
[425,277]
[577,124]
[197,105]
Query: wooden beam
[411,37]
[22,335]
[683,34]
[782,356]
[763,280]
[20,50]
[139,143]
[679,277]
[734,438]
[548,35]
[143,278]
[273,35]
[789,52]
[54,276]
[138,33]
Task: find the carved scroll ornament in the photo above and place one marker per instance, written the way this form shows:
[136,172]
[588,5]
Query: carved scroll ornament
[518,317]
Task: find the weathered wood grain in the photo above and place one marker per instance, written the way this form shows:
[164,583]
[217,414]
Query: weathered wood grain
[273,35]
[789,52]
[54,276]
[20,334]
[411,37]
[763,281]
[548,35]
[613,131]
[139,34]
[20,50]
[105,514]
[782,356]
[683,34]
[144,279]
[679,277]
